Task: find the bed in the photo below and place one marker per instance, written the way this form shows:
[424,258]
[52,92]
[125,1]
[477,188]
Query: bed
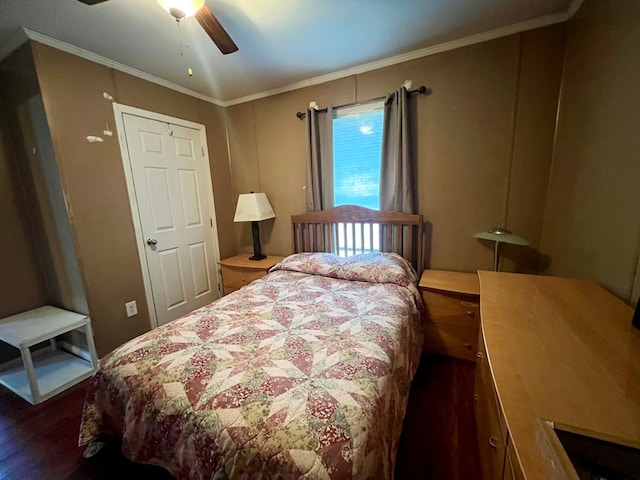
[304,373]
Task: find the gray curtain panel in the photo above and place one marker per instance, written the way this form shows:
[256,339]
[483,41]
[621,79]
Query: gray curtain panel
[397,169]
[319,159]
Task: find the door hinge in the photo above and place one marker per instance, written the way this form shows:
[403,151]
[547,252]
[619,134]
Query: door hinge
[202,148]
[211,222]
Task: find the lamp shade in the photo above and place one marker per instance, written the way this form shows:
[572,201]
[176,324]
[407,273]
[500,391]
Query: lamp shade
[500,235]
[253,207]
[503,235]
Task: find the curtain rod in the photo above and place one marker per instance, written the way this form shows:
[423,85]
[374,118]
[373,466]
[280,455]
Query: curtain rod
[422,90]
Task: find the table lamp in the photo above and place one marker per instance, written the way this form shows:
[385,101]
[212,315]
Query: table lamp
[500,235]
[254,207]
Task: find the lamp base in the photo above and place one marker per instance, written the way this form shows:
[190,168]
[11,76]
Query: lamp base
[255,233]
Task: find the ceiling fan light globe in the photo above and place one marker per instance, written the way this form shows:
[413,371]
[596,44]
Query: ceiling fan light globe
[177,13]
[181,8]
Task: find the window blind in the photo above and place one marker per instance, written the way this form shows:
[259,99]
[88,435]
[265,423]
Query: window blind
[357,148]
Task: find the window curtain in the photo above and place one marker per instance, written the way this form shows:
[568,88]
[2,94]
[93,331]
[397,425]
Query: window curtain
[319,159]
[397,168]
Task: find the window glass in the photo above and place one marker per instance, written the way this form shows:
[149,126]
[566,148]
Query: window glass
[357,147]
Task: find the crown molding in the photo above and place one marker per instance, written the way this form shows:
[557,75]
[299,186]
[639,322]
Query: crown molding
[18,38]
[573,7]
[539,22]
[405,57]
[93,57]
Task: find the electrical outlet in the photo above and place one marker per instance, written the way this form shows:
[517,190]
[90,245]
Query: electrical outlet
[132,308]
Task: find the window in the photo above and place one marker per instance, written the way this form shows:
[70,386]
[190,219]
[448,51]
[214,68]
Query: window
[357,148]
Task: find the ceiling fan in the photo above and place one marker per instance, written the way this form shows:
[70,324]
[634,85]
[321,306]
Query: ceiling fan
[180,9]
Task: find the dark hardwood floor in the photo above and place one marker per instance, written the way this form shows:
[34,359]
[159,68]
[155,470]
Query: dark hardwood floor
[439,433]
[438,440]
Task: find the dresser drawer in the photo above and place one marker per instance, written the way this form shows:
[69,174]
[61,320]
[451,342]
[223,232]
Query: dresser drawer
[490,426]
[236,278]
[512,470]
[452,309]
[451,340]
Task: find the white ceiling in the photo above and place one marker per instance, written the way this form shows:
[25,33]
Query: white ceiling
[281,42]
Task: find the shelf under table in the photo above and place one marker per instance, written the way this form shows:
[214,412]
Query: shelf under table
[40,374]
[56,370]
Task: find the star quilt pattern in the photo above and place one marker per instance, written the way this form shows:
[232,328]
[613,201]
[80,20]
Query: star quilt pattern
[302,374]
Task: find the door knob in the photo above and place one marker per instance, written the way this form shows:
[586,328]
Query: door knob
[152,241]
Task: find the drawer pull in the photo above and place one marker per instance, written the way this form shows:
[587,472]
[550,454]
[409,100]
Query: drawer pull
[471,313]
[476,397]
[468,346]
[493,441]
[479,355]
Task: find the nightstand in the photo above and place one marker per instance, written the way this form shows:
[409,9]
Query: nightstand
[452,324]
[239,271]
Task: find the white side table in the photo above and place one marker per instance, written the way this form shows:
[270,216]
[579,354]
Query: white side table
[43,373]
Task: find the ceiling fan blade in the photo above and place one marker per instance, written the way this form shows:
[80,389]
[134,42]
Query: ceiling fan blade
[91,2]
[218,34]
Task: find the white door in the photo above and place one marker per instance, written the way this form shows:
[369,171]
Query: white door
[169,170]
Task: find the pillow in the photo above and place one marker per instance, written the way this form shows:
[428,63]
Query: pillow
[364,267]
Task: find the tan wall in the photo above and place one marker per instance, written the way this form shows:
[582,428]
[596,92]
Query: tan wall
[94,183]
[268,154]
[592,226]
[36,252]
[22,282]
[22,278]
[32,152]
[488,100]
[20,92]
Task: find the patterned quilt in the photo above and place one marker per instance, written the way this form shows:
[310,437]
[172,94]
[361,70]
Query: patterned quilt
[302,374]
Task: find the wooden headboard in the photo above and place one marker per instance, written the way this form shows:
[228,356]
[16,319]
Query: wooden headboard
[334,229]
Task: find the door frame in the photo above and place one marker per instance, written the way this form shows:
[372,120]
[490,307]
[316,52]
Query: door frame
[119,110]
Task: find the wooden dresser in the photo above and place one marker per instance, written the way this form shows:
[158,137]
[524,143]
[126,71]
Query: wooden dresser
[557,349]
[453,313]
[239,271]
